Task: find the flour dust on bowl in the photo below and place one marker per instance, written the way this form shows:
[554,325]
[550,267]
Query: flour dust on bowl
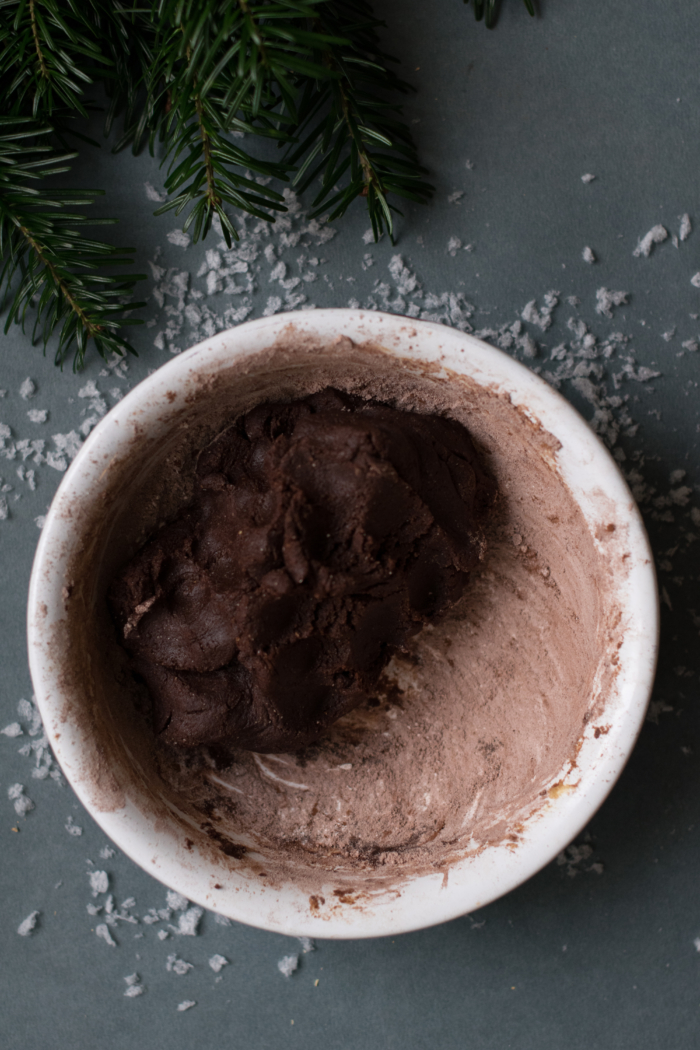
[487,746]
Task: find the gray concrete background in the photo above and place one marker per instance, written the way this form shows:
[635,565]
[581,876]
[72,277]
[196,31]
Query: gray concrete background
[578,956]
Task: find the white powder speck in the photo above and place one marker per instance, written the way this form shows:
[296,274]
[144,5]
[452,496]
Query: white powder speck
[176,901]
[14,729]
[163,935]
[587,178]
[89,390]
[72,828]
[605,300]
[453,246]
[16,795]
[217,962]
[178,966]
[179,238]
[528,345]
[587,255]
[685,228]
[656,708]
[691,345]
[186,1004]
[153,194]
[288,965]
[221,920]
[695,280]
[134,987]
[27,389]
[99,882]
[188,922]
[214,282]
[696,942]
[106,852]
[274,304]
[40,521]
[405,281]
[656,235]
[542,318]
[668,336]
[278,271]
[37,415]
[455,198]
[103,933]
[307,944]
[28,924]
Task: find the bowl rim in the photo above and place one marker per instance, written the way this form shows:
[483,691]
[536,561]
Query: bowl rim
[473,881]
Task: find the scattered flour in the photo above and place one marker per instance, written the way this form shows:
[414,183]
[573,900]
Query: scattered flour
[99,882]
[178,966]
[176,901]
[217,962]
[72,828]
[22,804]
[134,988]
[188,922]
[28,925]
[153,194]
[606,300]
[179,238]
[288,964]
[102,931]
[656,235]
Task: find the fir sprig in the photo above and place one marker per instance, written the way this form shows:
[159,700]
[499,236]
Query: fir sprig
[488,10]
[220,68]
[348,126]
[48,54]
[187,77]
[49,264]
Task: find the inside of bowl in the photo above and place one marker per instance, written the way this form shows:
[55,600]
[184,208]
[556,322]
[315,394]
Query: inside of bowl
[466,734]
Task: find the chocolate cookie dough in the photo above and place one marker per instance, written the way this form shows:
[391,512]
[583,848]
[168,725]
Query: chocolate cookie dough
[323,534]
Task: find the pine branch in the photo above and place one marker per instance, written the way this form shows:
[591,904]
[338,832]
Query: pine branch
[347,126]
[49,54]
[488,10]
[47,263]
[209,69]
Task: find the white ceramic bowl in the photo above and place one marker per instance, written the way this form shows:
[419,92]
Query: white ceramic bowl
[108,769]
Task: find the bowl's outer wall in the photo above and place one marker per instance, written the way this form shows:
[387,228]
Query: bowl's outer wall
[587,469]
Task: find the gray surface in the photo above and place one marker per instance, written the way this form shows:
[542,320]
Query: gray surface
[574,957]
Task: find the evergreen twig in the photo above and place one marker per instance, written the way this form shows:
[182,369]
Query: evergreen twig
[190,76]
[48,263]
[488,10]
[347,126]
